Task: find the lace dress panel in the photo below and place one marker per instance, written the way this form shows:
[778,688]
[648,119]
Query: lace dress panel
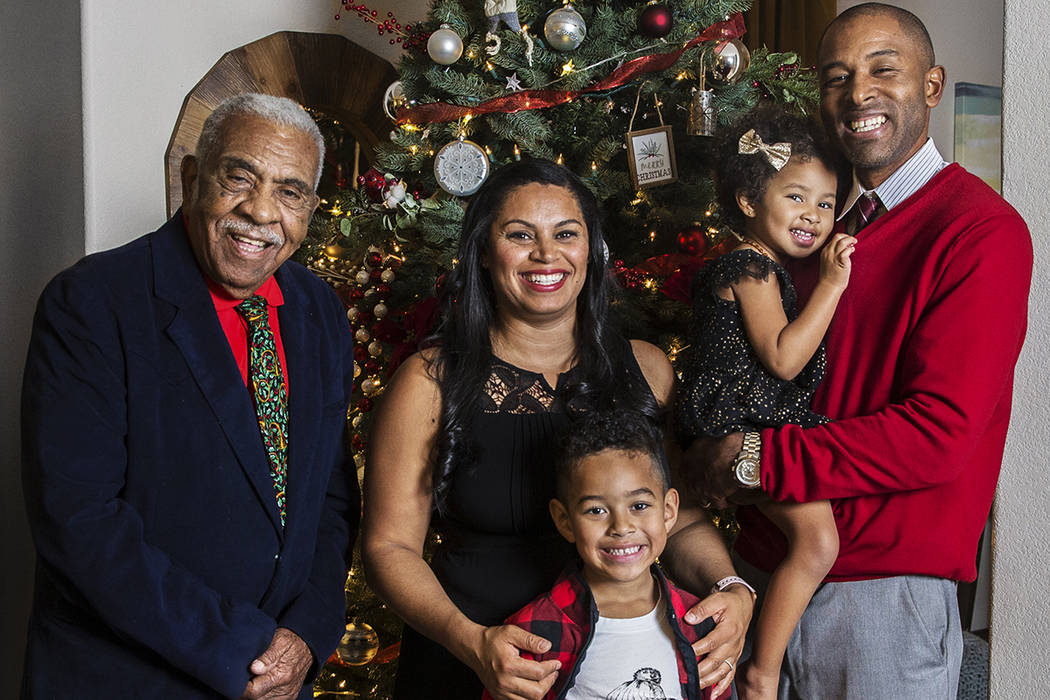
[515,391]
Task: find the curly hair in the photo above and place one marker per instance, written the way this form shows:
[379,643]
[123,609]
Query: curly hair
[750,173]
[617,429]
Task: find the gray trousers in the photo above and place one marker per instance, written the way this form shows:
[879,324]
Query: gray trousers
[897,636]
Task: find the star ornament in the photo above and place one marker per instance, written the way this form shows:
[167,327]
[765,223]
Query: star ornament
[513,82]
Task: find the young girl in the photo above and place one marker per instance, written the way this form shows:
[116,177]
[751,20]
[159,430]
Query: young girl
[756,360]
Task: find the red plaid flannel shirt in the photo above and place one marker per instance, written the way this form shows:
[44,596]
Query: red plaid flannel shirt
[566,616]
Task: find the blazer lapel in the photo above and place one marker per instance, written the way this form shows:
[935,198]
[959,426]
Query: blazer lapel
[196,332]
[299,334]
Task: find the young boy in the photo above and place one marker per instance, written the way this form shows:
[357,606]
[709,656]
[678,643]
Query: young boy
[613,500]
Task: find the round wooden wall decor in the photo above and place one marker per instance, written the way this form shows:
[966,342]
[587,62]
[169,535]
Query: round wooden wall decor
[325,72]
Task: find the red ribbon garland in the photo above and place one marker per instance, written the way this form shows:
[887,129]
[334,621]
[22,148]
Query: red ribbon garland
[541,99]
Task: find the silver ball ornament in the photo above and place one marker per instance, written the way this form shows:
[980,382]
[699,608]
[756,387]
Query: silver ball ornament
[380,310]
[394,99]
[369,386]
[730,62]
[388,276]
[362,276]
[351,313]
[445,46]
[565,29]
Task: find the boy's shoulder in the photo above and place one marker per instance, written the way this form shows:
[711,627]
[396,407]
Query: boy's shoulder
[566,604]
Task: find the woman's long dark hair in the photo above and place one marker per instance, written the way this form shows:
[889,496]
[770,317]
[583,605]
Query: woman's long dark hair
[464,349]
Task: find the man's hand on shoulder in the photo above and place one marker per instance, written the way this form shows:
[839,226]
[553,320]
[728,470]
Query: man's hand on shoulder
[279,671]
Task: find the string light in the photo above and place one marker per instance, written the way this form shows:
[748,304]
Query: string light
[561,159]
[517,152]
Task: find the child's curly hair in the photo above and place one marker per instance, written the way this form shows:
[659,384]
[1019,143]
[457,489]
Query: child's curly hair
[750,173]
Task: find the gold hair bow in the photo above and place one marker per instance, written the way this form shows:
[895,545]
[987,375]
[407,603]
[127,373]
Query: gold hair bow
[778,154]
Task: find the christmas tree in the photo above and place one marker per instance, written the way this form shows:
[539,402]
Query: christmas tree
[625,94]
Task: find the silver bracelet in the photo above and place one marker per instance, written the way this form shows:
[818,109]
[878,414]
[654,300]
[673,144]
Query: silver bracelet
[731,580]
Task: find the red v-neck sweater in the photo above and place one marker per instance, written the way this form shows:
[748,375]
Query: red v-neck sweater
[921,356]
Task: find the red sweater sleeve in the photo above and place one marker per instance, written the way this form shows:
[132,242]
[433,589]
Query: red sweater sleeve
[950,356]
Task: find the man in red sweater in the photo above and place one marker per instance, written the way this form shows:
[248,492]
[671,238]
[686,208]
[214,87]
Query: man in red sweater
[921,356]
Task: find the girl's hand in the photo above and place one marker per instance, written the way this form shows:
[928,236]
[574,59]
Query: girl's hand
[503,671]
[835,261]
[731,610]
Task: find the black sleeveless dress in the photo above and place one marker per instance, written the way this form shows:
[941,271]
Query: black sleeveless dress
[499,548]
[725,388]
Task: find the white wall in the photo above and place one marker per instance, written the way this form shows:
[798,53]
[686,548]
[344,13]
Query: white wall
[140,60]
[1021,553]
[41,231]
[968,40]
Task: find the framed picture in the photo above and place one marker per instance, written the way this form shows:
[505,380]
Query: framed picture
[978,131]
[650,155]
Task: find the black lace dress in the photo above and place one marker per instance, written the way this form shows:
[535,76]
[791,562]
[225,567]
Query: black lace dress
[499,548]
[724,387]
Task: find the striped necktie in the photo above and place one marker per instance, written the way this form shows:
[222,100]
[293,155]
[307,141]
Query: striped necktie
[269,392]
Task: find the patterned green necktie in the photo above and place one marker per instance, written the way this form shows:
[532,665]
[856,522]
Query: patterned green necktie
[269,391]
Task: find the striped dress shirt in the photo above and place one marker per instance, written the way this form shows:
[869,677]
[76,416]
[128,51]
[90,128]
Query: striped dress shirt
[904,182]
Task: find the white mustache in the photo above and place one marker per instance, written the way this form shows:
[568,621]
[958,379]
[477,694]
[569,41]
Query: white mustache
[250,230]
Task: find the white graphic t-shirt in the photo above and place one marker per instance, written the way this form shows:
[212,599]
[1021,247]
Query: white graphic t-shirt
[629,659]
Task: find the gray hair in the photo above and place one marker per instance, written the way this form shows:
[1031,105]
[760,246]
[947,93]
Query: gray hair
[276,110]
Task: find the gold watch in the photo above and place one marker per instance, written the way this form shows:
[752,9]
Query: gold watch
[747,467]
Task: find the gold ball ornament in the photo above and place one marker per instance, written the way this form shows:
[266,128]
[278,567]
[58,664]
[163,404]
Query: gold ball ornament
[357,369]
[351,313]
[380,310]
[565,29]
[375,348]
[445,46]
[359,644]
[336,250]
[362,335]
[369,386]
[362,276]
[730,62]
[355,423]
[388,276]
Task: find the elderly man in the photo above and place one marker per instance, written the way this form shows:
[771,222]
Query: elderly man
[921,356]
[183,419]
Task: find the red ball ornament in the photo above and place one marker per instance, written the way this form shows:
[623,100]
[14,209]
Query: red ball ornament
[655,21]
[361,354]
[364,405]
[374,184]
[692,241]
[357,294]
[371,367]
[383,290]
[357,442]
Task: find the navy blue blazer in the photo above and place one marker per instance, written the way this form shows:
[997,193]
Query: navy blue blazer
[162,568]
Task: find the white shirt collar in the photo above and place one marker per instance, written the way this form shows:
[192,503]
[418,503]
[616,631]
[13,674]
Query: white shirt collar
[905,180]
